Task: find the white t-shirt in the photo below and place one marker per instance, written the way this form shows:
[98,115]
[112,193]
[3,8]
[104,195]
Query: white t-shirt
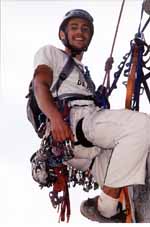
[56,59]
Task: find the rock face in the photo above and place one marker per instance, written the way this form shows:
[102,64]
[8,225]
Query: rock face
[141,198]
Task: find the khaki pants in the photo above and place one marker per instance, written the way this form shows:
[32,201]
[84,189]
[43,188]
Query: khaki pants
[122,143]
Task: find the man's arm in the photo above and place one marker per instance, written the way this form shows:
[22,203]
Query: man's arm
[42,82]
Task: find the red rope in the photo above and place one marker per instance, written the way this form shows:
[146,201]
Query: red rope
[61,186]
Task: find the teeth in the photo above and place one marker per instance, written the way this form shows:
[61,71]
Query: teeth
[80,39]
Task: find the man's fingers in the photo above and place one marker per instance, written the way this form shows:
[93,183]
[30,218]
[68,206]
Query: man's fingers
[108,64]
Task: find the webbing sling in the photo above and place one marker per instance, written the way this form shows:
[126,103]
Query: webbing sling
[129,96]
[67,69]
[131,78]
[124,196]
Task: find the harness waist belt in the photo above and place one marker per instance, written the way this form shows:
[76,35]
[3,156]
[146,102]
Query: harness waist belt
[73,99]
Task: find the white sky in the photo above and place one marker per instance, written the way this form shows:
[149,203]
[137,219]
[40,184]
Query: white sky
[25,27]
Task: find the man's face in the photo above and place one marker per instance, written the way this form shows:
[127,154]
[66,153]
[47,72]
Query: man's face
[79,33]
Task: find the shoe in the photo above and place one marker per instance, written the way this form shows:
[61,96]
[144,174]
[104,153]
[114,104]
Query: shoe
[89,210]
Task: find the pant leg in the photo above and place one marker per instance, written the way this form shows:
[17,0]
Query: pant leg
[128,163]
[100,166]
[128,134]
[83,157]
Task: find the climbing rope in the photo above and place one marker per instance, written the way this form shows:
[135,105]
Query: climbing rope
[109,61]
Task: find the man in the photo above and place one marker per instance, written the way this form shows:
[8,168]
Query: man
[120,138]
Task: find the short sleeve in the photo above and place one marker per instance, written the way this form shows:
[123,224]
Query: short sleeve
[44,56]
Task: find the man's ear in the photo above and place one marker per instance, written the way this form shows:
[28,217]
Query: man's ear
[62,35]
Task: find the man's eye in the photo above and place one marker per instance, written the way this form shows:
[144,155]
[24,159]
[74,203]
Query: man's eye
[85,29]
[74,27]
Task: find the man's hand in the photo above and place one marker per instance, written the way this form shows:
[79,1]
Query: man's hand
[108,64]
[60,129]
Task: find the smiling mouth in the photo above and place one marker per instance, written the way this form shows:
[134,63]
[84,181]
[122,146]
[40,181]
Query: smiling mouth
[79,42]
[79,39]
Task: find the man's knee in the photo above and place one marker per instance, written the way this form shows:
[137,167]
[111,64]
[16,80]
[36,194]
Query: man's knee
[112,192]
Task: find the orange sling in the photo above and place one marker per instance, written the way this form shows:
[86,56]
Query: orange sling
[124,196]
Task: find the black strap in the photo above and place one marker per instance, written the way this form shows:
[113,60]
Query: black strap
[74,96]
[67,69]
[80,135]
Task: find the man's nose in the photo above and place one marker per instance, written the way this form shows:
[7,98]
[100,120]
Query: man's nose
[80,30]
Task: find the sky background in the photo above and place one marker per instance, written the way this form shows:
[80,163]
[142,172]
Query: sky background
[25,27]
